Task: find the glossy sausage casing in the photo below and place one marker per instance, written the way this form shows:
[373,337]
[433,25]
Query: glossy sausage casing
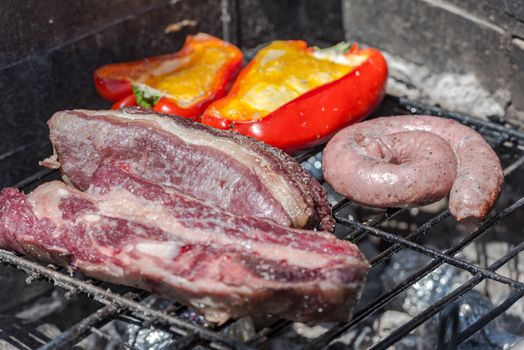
[406,161]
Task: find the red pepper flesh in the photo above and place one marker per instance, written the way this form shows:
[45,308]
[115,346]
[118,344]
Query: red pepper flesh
[312,117]
[127,101]
[183,83]
[167,106]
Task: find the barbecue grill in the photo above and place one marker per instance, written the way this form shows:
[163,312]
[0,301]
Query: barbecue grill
[126,306]
[107,313]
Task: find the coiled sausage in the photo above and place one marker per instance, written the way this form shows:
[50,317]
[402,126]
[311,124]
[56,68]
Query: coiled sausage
[407,161]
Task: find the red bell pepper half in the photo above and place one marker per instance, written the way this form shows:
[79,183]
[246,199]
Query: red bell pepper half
[182,83]
[292,96]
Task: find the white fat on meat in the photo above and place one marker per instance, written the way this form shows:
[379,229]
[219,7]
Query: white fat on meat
[163,250]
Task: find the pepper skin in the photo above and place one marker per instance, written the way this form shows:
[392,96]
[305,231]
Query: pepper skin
[315,108]
[167,106]
[183,83]
[127,101]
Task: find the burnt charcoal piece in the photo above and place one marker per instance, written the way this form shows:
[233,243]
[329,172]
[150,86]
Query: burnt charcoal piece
[131,231]
[224,169]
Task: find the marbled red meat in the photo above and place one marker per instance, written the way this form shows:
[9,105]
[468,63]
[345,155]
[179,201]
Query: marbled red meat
[406,161]
[128,230]
[226,170]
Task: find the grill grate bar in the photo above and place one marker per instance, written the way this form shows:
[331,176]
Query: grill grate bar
[359,234]
[107,297]
[442,303]
[72,335]
[434,254]
[39,175]
[514,166]
[385,297]
[126,317]
[487,318]
[191,339]
[268,332]
[79,331]
[421,231]
[309,153]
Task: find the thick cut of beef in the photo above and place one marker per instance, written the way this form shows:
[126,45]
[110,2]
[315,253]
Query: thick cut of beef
[128,230]
[224,169]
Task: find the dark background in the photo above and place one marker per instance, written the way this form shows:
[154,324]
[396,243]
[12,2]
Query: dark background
[49,49]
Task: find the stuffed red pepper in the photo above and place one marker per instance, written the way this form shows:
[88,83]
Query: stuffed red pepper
[182,83]
[293,96]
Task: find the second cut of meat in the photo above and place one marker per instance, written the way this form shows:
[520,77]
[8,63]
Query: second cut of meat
[128,230]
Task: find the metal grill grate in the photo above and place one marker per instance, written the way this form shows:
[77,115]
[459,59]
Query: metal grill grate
[127,307]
